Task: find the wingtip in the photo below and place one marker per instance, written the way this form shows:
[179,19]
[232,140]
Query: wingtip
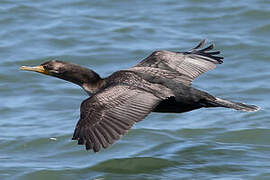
[208,48]
[207,52]
[218,59]
[200,45]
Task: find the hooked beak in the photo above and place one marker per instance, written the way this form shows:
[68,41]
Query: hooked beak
[39,69]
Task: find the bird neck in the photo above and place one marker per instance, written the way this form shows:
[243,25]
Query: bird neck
[88,79]
[92,87]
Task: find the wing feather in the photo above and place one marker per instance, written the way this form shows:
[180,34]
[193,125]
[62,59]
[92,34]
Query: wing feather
[109,114]
[101,138]
[106,136]
[181,66]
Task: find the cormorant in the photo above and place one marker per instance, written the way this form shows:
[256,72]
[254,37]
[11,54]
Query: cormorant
[159,83]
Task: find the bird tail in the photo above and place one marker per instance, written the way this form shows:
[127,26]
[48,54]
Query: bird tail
[218,102]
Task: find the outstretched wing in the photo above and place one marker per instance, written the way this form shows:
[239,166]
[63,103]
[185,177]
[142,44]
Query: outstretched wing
[109,114]
[181,66]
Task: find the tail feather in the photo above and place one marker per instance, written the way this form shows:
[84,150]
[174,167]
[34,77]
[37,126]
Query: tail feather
[234,105]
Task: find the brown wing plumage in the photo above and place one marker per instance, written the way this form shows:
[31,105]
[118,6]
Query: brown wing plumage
[109,114]
[182,66]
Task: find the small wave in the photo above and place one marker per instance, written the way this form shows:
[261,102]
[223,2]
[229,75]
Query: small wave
[134,165]
[265,29]
[246,136]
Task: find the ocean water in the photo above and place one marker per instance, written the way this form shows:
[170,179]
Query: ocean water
[38,113]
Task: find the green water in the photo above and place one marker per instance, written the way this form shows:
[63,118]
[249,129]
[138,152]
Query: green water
[38,113]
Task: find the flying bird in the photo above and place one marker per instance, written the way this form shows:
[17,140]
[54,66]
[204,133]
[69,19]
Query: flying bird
[162,82]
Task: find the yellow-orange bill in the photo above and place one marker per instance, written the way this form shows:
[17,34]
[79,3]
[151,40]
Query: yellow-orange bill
[39,69]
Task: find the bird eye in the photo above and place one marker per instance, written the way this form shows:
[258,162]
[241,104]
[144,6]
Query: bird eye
[45,66]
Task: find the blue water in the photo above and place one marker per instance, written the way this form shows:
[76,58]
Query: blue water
[38,113]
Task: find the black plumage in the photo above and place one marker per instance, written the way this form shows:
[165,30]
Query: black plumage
[159,83]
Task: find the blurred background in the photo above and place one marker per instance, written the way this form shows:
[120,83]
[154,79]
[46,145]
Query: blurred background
[38,113]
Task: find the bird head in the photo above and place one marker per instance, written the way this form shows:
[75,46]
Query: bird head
[66,71]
